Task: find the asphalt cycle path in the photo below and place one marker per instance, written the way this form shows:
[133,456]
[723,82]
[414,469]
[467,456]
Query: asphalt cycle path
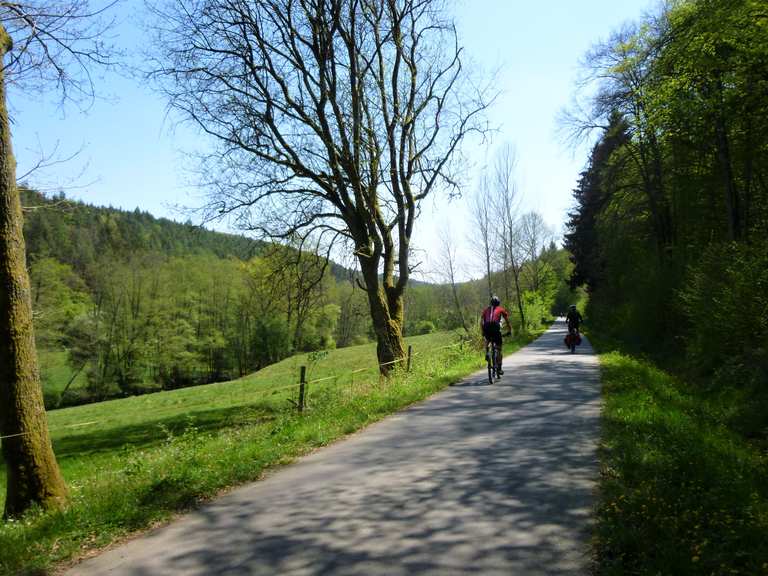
[478,479]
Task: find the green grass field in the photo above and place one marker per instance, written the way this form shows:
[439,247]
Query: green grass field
[132,462]
[681,493]
[55,373]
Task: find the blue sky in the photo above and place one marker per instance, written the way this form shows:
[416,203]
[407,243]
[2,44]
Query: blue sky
[132,154]
[537,46]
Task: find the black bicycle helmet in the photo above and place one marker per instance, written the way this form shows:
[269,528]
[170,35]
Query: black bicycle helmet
[495,301]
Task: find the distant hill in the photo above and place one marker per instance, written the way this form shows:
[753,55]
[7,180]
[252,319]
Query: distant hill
[79,234]
[125,302]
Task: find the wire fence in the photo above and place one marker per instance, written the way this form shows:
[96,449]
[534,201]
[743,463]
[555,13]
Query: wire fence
[301,385]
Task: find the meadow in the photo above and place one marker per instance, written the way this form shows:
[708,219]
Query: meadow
[135,462]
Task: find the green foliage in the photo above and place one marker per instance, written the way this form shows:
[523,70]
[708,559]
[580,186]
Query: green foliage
[141,303]
[560,293]
[429,303]
[271,341]
[80,235]
[537,311]
[669,240]
[725,301]
[679,493]
[319,334]
[679,169]
[676,174]
[56,373]
[59,296]
[544,284]
[424,327]
[352,325]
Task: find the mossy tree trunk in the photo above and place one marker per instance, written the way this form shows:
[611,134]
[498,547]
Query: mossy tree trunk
[33,473]
[387,314]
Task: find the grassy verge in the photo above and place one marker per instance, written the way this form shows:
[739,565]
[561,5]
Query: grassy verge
[146,458]
[681,493]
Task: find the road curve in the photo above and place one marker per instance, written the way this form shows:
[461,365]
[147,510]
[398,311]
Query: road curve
[478,479]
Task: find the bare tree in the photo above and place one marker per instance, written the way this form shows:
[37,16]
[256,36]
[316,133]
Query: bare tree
[330,117]
[43,44]
[299,272]
[535,236]
[505,205]
[482,234]
[448,272]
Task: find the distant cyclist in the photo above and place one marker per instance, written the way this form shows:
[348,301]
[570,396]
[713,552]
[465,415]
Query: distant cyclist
[490,322]
[573,319]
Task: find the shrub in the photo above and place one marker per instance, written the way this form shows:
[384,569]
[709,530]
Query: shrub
[536,311]
[725,303]
[424,327]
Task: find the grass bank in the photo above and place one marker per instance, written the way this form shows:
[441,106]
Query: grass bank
[681,492]
[134,462]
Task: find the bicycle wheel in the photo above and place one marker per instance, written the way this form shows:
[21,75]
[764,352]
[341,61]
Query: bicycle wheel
[489,357]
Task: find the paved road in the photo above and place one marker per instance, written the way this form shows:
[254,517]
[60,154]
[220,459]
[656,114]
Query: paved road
[478,479]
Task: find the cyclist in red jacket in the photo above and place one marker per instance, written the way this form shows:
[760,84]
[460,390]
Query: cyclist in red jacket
[490,322]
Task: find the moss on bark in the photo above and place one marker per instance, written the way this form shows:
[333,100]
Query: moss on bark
[33,473]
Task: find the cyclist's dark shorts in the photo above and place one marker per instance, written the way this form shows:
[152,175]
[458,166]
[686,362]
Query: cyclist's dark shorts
[492,333]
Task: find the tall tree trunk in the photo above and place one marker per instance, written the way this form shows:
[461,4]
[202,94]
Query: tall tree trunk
[387,313]
[650,165]
[33,473]
[723,147]
[748,172]
[457,303]
[449,263]
[520,309]
[506,280]
[487,250]
[731,192]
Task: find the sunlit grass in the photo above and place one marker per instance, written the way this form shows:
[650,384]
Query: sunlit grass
[145,458]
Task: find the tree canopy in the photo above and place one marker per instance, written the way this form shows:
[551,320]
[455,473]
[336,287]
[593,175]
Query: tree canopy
[332,119]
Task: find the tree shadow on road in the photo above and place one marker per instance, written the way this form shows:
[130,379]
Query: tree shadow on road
[481,479]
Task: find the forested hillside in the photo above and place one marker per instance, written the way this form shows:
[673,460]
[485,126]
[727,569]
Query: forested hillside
[79,234]
[669,232]
[127,303]
[139,302]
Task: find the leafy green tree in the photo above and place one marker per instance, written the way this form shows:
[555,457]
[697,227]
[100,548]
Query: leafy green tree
[59,296]
[679,172]
[711,89]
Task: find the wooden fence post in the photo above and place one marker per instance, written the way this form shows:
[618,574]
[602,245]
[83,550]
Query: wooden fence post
[410,355]
[302,385]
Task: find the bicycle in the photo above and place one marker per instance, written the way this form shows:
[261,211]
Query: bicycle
[493,359]
[572,339]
